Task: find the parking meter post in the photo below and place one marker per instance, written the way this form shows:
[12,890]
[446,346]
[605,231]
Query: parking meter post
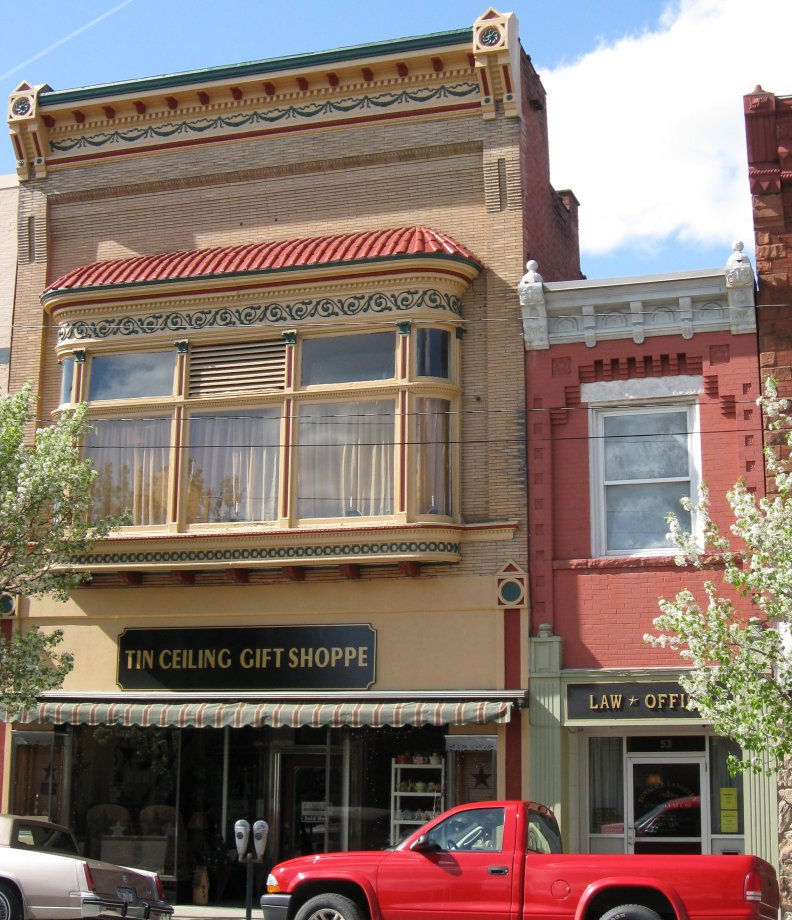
[249,889]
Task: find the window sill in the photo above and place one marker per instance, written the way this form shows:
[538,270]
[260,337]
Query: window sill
[629,562]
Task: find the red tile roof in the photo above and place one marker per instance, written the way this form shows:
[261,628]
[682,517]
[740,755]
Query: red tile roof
[264,257]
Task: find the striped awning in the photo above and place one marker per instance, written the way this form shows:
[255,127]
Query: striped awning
[204,714]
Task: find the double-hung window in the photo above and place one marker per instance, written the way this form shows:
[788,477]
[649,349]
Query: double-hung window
[644,461]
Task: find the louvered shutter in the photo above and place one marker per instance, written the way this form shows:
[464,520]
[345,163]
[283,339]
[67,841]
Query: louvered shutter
[239,368]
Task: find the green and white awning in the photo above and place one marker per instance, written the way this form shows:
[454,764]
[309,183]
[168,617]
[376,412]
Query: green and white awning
[272,713]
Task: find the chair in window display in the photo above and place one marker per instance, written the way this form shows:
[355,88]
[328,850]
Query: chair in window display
[163,821]
[107,820]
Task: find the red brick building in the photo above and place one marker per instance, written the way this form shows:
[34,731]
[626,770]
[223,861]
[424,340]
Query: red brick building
[637,390]
[768,128]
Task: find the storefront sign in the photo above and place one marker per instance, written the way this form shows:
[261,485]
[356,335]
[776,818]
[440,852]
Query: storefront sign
[248,658]
[628,701]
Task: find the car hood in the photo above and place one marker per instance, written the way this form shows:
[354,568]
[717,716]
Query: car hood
[330,862]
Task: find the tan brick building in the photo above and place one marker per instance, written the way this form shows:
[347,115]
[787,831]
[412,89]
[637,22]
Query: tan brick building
[8,259]
[314,408]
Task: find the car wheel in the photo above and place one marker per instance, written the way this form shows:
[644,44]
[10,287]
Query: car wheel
[627,912]
[10,902]
[326,907]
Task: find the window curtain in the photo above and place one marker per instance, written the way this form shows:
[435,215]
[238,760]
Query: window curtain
[233,466]
[432,431]
[345,465]
[606,786]
[132,459]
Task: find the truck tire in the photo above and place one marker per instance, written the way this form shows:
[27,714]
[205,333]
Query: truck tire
[328,907]
[631,912]
[10,902]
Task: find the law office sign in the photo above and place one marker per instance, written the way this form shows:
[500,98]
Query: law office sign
[331,657]
[627,701]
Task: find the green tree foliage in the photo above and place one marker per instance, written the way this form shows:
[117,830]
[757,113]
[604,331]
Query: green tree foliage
[45,526]
[739,647]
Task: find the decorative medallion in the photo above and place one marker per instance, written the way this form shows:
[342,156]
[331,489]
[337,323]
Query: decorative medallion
[21,106]
[490,36]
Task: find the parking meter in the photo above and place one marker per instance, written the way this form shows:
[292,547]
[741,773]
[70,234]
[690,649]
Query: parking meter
[241,836]
[260,832]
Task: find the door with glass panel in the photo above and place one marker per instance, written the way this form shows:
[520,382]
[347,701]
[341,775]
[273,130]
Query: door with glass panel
[667,804]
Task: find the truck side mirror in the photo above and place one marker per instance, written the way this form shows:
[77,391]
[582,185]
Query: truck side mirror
[426,844]
[241,836]
[260,834]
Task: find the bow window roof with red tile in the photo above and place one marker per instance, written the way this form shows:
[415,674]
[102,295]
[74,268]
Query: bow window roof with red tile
[253,258]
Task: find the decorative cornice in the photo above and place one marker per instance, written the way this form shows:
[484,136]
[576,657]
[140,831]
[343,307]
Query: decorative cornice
[258,119]
[308,309]
[253,69]
[682,304]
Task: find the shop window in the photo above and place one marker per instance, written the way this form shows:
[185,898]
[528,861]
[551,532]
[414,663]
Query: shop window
[346,459]
[222,433]
[643,464]
[132,375]
[348,358]
[38,769]
[726,791]
[606,786]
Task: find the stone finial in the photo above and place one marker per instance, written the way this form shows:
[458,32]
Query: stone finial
[534,313]
[527,286]
[740,288]
[739,272]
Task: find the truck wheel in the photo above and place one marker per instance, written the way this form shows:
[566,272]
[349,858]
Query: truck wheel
[10,902]
[327,907]
[631,912]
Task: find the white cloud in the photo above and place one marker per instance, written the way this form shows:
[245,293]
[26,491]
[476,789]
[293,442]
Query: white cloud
[649,133]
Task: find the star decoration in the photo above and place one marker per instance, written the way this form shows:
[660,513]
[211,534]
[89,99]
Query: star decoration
[633,701]
[481,778]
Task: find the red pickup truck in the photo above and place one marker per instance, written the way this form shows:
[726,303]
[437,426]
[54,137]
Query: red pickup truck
[503,861]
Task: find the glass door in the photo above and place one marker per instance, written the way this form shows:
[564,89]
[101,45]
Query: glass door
[310,796]
[667,812]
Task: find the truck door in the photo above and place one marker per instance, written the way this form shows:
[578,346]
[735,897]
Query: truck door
[667,804]
[464,868]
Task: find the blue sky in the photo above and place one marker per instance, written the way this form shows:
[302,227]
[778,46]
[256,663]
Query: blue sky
[644,96]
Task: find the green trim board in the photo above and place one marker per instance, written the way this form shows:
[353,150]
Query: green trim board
[461,37]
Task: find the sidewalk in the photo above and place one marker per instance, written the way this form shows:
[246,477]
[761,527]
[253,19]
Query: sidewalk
[223,912]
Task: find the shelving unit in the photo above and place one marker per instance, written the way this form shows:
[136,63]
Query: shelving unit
[417,794]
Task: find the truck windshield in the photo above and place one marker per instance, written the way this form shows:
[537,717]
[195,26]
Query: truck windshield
[543,833]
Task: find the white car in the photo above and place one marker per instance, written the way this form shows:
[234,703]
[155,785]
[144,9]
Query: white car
[43,877]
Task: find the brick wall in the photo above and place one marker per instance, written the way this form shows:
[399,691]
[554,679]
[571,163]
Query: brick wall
[602,607]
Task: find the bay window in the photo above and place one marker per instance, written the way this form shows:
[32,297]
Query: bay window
[276,431]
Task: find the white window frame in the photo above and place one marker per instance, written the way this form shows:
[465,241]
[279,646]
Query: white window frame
[633,397]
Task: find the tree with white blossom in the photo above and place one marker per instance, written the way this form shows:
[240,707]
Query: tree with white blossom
[45,526]
[739,646]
